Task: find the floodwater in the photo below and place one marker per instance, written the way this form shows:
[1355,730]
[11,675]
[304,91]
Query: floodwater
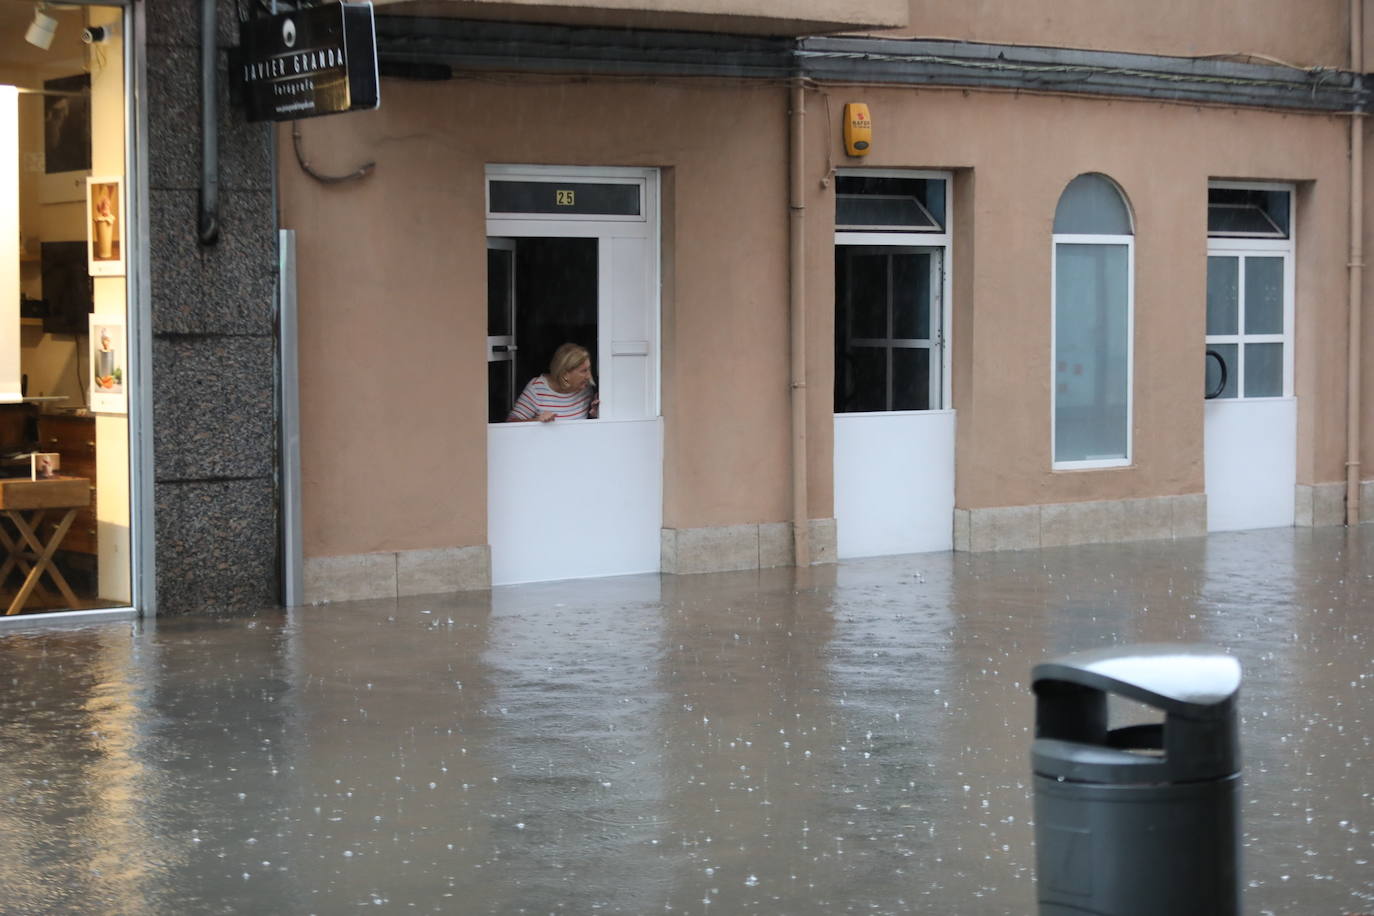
[851,739]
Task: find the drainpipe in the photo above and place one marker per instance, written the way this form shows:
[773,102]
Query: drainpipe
[208,230]
[801,523]
[1355,351]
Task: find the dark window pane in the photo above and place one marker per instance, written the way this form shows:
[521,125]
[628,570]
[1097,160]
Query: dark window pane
[888,212]
[865,379]
[911,296]
[910,379]
[1248,212]
[1223,295]
[1264,370]
[1224,219]
[1264,295]
[879,202]
[500,393]
[499,292]
[1227,352]
[868,296]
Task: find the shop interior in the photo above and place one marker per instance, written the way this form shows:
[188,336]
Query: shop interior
[64,490]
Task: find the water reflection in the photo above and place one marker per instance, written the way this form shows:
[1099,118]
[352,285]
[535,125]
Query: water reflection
[843,739]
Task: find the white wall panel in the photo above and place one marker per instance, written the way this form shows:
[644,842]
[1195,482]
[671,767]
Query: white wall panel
[1251,463]
[894,483]
[574,500]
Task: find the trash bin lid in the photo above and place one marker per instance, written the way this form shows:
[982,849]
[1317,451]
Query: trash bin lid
[1176,678]
[1194,686]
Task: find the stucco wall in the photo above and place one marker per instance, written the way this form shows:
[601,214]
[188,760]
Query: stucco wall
[393,297]
[1021,150]
[1304,33]
[393,311]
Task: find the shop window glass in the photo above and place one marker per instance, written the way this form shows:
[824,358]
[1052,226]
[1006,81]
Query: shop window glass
[65,190]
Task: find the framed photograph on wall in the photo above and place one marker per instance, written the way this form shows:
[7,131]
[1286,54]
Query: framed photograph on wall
[109,365]
[105,226]
[66,138]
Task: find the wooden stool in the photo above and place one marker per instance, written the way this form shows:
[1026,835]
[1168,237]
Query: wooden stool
[25,502]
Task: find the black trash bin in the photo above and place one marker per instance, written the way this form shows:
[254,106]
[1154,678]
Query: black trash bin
[1142,820]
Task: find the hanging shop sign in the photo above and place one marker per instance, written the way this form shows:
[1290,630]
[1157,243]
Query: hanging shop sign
[316,61]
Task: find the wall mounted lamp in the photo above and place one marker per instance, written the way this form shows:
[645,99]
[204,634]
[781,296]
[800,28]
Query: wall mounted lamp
[42,29]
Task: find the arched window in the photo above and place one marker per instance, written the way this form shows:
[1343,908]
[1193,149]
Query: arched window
[1094,272]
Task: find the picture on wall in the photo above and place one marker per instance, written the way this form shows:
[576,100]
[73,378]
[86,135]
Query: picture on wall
[67,124]
[109,373]
[66,138]
[105,226]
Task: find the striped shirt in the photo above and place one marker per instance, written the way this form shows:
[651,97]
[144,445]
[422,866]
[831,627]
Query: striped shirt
[539,396]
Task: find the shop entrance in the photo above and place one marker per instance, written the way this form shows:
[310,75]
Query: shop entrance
[572,257]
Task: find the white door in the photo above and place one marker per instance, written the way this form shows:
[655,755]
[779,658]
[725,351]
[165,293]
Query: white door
[575,498]
[894,441]
[1251,417]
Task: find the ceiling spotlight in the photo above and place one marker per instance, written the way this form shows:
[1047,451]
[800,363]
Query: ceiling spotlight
[42,29]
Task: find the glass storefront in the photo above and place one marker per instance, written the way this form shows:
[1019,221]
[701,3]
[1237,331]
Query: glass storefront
[65,533]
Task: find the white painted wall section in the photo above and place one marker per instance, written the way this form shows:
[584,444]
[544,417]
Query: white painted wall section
[1251,463]
[894,483]
[574,500]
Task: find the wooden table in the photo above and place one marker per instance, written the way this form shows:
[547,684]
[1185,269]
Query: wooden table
[25,502]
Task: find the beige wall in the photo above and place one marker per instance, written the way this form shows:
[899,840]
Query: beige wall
[1015,154]
[392,287]
[393,312]
[1305,33]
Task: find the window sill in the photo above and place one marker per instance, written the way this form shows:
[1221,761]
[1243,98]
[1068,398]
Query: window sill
[1104,465]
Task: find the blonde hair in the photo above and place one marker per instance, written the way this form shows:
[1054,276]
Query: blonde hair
[565,359]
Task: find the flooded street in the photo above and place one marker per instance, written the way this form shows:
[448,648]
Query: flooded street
[849,739]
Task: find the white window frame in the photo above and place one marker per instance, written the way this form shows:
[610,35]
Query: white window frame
[582,174]
[1113,240]
[932,240]
[555,225]
[1231,246]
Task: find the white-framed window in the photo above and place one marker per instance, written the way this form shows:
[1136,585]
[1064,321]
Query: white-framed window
[1250,290]
[1092,351]
[573,256]
[892,236]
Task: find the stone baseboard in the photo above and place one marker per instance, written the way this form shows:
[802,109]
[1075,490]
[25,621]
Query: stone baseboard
[730,547]
[1320,505]
[1065,524]
[397,575]
[1366,501]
